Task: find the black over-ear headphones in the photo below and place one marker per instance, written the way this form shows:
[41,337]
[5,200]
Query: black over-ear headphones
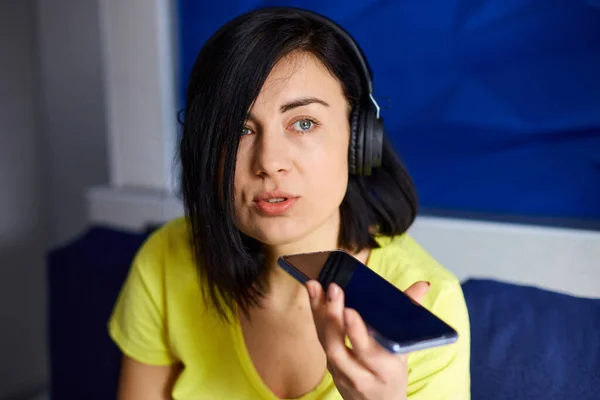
[366,125]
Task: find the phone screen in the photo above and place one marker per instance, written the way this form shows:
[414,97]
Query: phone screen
[385,309]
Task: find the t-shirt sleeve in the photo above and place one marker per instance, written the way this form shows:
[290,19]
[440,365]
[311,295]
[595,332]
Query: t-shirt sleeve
[137,324]
[444,372]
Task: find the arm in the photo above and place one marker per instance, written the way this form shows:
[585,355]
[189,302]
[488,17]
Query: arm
[138,327]
[140,381]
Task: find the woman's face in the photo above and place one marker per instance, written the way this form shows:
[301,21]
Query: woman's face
[292,164]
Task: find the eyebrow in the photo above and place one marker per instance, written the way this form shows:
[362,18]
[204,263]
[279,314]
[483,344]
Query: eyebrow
[304,101]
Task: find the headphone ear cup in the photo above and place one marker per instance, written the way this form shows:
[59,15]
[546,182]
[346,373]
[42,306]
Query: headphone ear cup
[355,148]
[372,141]
[377,143]
[370,120]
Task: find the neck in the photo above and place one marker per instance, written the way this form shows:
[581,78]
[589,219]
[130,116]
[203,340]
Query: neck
[283,290]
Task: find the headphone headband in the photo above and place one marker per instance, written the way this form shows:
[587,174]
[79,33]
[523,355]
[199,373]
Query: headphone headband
[366,138]
[364,66]
[360,56]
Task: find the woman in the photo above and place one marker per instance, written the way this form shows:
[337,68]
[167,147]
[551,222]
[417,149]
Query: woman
[205,312]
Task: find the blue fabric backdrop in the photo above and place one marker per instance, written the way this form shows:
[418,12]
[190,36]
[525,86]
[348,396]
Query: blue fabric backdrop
[494,105]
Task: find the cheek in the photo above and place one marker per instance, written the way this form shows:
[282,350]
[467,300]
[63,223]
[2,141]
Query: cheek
[240,181]
[330,170]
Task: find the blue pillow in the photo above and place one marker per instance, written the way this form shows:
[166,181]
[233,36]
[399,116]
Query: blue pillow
[84,280]
[529,343]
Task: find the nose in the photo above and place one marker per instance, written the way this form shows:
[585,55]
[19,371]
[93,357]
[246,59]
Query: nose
[272,154]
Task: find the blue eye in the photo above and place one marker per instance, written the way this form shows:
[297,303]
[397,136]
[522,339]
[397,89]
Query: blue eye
[246,131]
[304,125]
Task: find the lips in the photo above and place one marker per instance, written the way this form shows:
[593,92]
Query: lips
[274,203]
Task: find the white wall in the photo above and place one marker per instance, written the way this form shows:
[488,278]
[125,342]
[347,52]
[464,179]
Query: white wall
[73,118]
[140,64]
[559,259]
[23,212]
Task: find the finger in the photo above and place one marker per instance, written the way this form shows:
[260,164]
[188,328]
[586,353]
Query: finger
[333,339]
[332,319]
[318,306]
[364,347]
[315,293]
[357,331]
[417,291]
[335,302]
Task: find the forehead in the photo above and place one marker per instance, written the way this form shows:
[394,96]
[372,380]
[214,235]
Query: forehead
[300,74]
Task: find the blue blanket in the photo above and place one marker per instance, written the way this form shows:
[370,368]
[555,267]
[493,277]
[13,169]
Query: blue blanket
[494,105]
[528,343]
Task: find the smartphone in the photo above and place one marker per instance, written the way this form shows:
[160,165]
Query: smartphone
[397,322]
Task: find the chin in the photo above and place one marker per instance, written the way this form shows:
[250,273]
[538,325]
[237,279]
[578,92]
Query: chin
[292,231]
[278,233]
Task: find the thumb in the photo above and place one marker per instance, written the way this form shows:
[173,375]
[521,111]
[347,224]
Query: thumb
[417,291]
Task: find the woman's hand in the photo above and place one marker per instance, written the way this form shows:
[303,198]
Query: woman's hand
[367,371]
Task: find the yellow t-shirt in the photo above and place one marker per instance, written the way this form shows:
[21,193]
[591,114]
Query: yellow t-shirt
[160,319]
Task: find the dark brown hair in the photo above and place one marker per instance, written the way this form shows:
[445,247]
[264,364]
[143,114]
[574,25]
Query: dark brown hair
[227,77]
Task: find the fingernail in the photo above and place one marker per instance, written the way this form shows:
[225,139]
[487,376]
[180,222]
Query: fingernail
[333,292]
